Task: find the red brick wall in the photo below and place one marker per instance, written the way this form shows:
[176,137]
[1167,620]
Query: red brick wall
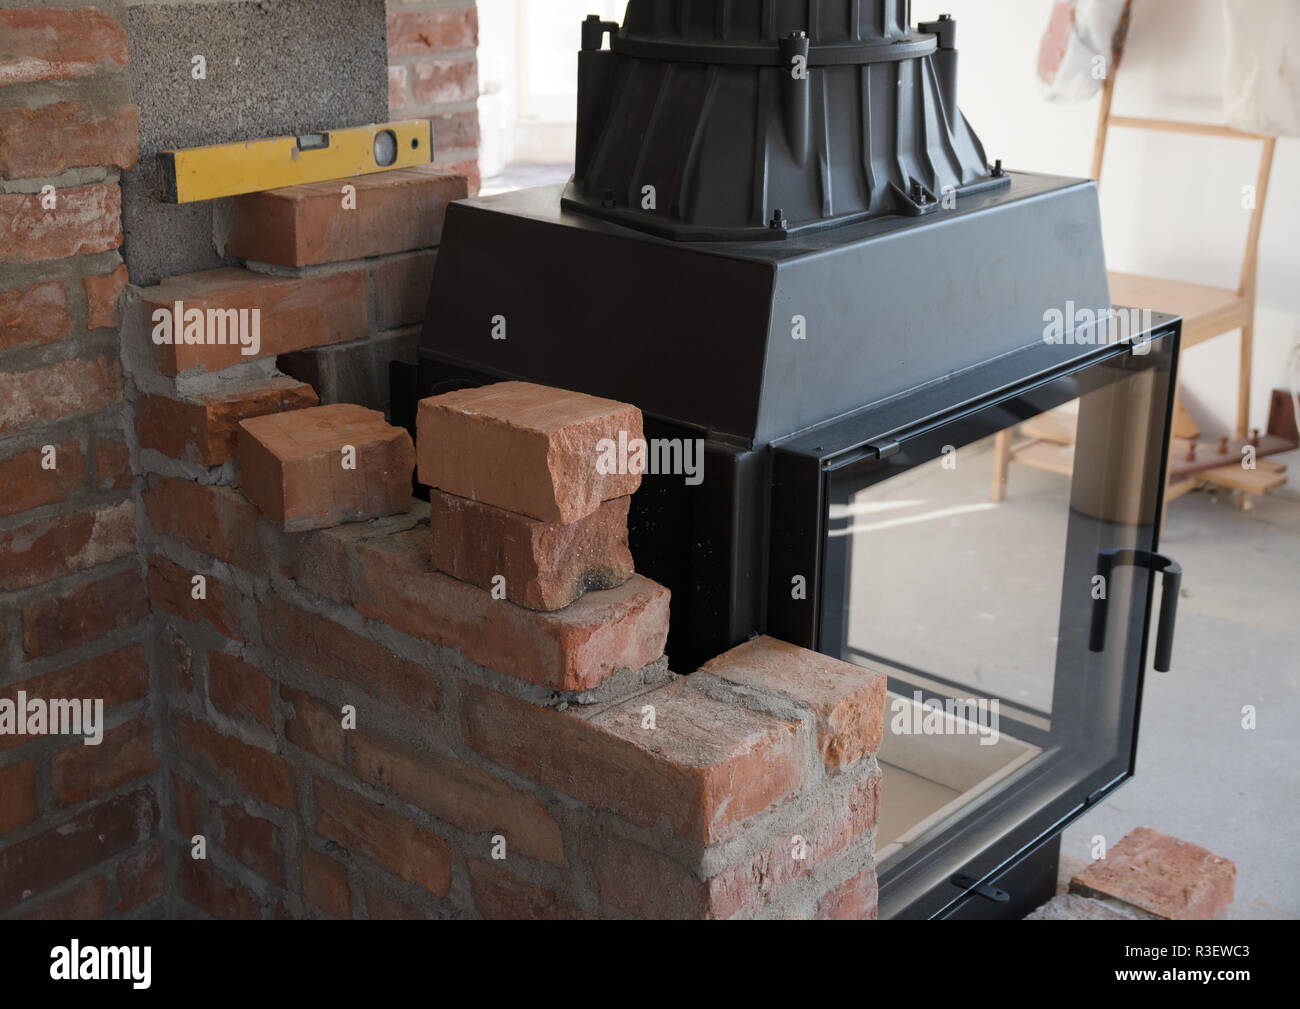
[78,823]
[433,73]
[350,720]
[353,732]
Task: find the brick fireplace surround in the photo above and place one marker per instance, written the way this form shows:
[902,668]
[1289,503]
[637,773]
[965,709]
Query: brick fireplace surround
[313,681]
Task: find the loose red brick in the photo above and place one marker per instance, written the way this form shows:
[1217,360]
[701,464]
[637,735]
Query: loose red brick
[190,807]
[400,286]
[254,841]
[28,484]
[58,390]
[526,448]
[258,771]
[501,896]
[1165,877]
[112,463]
[380,907]
[576,648]
[546,565]
[704,769]
[381,835]
[848,700]
[87,901]
[53,138]
[84,614]
[315,726]
[81,772]
[171,588]
[62,544]
[36,314]
[853,900]
[325,884]
[206,428]
[17,795]
[215,521]
[141,878]
[101,298]
[116,678]
[329,648]
[295,312]
[70,847]
[444,82]
[416,33]
[45,44]
[84,220]
[460,795]
[294,470]
[203,886]
[308,225]
[238,688]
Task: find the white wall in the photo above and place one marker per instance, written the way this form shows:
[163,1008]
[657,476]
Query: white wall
[1171,205]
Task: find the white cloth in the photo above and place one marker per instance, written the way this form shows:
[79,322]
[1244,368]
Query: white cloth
[1076,51]
[1261,77]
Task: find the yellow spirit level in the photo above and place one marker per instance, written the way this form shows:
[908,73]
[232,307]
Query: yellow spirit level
[206,173]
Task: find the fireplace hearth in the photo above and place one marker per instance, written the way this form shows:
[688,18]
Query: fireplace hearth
[927,448]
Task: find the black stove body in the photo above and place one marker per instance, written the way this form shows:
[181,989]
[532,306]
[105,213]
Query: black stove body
[782,241]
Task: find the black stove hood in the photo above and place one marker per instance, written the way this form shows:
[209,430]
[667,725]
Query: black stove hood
[749,342]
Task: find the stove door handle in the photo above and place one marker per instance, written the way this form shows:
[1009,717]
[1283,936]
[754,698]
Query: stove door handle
[1107,561]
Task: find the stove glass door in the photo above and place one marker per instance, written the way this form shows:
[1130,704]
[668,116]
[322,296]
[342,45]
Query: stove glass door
[967,567]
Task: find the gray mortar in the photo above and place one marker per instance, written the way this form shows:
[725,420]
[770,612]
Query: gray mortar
[274,68]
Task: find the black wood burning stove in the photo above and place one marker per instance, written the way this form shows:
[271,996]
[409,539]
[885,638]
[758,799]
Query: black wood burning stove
[929,444]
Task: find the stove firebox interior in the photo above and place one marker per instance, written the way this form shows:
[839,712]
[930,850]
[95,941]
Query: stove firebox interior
[783,240]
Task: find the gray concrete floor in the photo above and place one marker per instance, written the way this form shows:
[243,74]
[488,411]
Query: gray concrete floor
[1200,775]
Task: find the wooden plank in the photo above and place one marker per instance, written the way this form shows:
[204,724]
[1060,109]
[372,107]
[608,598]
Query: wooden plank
[1184,425]
[1209,457]
[1057,426]
[1180,126]
[1207,311]
[1045,455]
[1252,481]
[1103,123]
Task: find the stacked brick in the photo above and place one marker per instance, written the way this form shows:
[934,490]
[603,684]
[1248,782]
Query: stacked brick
[78,823]
[338,274]
[516,499]
[433,74]
[356,733]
